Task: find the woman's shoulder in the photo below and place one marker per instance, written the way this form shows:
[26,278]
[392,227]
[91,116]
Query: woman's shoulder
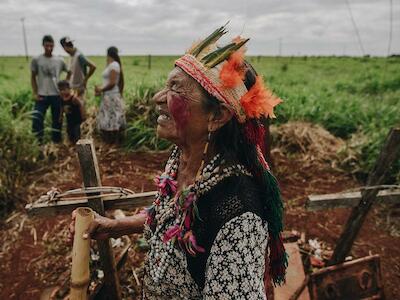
[114,66]
[237,185]
[232,197]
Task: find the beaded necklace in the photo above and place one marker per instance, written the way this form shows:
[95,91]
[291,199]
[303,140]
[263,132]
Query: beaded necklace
[180,209]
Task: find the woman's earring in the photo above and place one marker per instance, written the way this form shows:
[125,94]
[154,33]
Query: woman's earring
[205,150]
[206,145]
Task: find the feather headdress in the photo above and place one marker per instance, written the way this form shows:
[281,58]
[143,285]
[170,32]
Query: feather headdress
[220,71]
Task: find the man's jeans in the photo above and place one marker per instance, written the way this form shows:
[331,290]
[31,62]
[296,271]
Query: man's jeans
[39,113]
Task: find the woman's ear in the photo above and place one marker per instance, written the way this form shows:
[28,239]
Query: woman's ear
[220,118]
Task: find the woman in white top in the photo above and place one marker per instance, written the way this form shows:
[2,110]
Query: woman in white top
[111,118]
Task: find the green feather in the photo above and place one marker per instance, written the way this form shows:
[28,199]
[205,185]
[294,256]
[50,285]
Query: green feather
[217,53]
[212,38]
[221,54]
[196,212]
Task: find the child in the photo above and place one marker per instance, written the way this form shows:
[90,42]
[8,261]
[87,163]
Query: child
[74,111]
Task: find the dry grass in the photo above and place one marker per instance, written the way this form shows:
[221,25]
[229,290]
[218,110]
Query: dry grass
[311,143]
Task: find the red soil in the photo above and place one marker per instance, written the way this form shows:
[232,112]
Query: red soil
[135,171]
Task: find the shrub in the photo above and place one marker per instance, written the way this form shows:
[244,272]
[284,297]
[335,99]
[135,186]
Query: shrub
[18,152]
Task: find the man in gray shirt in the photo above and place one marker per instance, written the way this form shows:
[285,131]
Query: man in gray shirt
[81,68]
[46,70]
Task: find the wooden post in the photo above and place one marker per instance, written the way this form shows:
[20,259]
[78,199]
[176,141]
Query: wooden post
[388,155]
[80,274]
[91,178]
[149,62]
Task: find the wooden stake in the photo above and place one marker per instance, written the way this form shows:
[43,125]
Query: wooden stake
[388,155]
[80,275]
[91,178]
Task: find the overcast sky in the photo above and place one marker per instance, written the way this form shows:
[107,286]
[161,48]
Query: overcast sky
[312,27]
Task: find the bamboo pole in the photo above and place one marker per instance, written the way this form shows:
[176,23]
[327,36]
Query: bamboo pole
[80,275]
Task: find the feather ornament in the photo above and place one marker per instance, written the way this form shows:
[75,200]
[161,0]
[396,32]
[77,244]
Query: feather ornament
[211,39]
[221,54]
[259,101]
[232,71]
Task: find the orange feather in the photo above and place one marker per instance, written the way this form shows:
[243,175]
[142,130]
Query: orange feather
[232,71]
[259,101]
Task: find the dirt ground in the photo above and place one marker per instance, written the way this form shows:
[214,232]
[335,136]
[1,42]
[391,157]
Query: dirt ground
[35,255]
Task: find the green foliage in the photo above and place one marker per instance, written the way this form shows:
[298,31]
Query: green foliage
[142,119]
[354,98]
[18,152]
[140,135]
[21,101]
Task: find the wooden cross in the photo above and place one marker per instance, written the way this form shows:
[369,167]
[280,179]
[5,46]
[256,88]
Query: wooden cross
[91,178]
[362,201]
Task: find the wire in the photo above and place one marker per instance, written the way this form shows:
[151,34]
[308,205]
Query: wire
[390,28]
[55,194]
[245,17]
[384,72]
[355,28]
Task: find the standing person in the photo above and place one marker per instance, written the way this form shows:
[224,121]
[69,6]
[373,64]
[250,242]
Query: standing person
[218,213]
[111,118]
[45,73]
[79,66]
[74,111]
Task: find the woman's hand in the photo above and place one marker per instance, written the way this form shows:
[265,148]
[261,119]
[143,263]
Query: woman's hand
[100,228]
[97,90]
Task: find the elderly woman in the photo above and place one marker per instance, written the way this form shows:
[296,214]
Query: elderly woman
[218,211]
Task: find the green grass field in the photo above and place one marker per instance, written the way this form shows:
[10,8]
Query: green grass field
[345,95]
[357,99]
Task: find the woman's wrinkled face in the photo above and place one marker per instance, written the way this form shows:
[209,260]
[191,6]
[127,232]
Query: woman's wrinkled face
[182,119]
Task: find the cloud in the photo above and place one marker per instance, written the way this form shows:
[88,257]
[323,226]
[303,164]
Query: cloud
[170,26]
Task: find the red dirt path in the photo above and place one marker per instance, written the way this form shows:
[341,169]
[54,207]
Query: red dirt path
[135,171]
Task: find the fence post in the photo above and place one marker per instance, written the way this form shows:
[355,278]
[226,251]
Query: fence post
[149,62]
[388,155]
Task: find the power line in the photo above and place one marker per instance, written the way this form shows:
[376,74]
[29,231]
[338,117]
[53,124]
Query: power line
[390,28]
[355,27]
[245,17]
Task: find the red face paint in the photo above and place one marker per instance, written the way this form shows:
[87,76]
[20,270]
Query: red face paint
[179,109]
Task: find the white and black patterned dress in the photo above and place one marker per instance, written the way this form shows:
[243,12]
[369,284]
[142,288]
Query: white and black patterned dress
[234,235]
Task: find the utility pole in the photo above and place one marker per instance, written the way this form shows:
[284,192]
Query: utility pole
[24,35]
